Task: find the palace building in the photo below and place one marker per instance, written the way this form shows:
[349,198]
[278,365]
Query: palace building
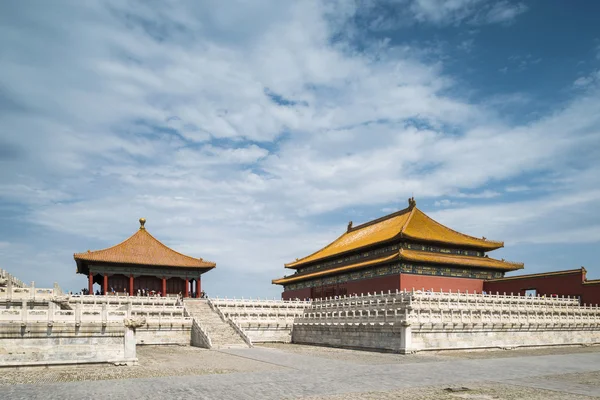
[403,250]
[142,262]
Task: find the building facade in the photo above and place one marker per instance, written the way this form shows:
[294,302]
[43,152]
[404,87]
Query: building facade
[143,263]
[404,250]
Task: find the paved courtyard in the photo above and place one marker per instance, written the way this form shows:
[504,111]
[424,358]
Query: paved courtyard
[308,372]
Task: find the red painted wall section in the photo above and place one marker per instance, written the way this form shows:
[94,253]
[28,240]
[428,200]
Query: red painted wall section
[440,283]
[296,294]
[591,294]
[373,285]
[570,284]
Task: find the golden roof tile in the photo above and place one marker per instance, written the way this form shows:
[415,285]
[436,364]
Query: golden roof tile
[294,278]
[409,223]
[458,260]
[414,256]
[143,249]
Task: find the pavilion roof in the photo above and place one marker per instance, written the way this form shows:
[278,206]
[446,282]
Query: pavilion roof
[410,223]
[425,257]
[142,249]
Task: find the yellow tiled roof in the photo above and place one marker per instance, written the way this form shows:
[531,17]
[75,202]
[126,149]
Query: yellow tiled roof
[422,227]
[458,260]
[360,237]
[415,256]
[316,274]
[143,249]
[411,223]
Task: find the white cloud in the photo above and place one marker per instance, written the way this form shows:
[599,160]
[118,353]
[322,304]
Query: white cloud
[503,12]
[473,11]
[168,113]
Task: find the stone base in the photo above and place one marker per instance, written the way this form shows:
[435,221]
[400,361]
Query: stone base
[39,344]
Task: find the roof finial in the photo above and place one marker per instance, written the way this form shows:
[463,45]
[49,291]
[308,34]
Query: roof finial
[142,222]
[412,203]
[349,226]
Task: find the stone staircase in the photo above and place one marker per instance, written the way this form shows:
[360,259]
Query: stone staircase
[222,335]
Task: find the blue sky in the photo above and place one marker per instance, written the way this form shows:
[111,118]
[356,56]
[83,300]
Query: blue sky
[250,133]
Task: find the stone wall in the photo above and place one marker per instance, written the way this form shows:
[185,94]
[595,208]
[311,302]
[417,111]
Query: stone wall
[262,320]
[63,330]
[64,343]
[415,321]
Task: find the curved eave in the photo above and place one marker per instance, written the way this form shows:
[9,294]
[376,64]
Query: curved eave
[458,260]
[424,228]
[301,263]
[290,279]
[142,249]
[486,246]
[83,261]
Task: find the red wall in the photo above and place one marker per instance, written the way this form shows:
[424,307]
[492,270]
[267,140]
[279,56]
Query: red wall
[392,283]
[372,285]
[440,283]
[591,294]
[569,284]
[296,294]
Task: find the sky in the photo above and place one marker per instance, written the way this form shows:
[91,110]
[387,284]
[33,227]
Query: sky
[249,133]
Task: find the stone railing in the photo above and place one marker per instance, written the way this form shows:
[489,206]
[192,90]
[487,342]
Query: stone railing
[112,300]
[25,293]
[421,308]
[236,327]
[51,316]
[261,320]
[6,279]
[261,310]
[103,313]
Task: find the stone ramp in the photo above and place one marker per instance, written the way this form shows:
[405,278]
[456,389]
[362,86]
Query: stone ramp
[222,335]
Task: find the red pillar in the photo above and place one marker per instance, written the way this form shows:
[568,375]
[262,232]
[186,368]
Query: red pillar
[164,286]
[198,288]
[187,289]
[105,287]
[91,284]
[131,285]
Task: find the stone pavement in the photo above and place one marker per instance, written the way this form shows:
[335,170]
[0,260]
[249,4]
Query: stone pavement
[281,373]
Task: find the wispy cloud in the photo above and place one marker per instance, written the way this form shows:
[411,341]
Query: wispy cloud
[246,134]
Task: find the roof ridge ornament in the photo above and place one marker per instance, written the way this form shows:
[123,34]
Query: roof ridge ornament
[349,226]
[142,222]
[412,203]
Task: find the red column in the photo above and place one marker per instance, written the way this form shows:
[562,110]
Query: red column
[91,284]
[105,287]
[187,289]
[198,288]
[164,286]
[131,285]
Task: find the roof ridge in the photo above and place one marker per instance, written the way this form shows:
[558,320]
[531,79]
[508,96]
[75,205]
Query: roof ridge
[141,232]
[175,251]
[380,219]
[313,253]
[460,233]
[412,212]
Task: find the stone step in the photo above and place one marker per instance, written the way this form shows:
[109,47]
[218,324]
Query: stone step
[221,334]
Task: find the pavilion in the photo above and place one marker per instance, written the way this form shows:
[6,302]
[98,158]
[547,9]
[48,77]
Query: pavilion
[142,262]
[403,250]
